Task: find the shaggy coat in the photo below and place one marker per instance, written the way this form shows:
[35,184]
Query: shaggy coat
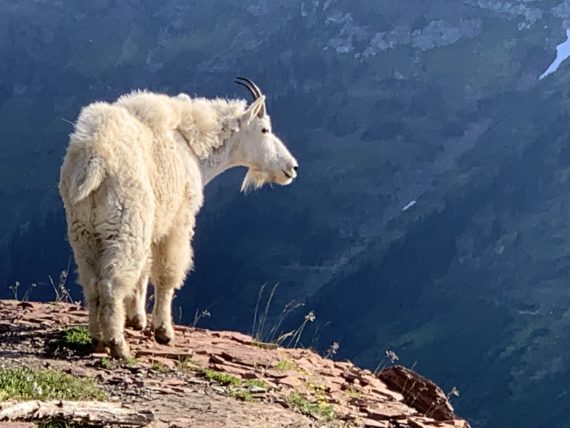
[132,183]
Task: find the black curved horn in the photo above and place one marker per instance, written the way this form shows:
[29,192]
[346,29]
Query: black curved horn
[252,87]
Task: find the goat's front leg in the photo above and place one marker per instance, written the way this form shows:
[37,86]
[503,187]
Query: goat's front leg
[162,314]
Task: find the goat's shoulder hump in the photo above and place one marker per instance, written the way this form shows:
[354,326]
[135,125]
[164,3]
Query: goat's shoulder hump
[158,111]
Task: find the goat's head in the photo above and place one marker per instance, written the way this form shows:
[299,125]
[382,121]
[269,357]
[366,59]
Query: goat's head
[264,154]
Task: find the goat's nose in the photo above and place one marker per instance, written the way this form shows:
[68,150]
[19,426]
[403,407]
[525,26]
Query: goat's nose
[296,168]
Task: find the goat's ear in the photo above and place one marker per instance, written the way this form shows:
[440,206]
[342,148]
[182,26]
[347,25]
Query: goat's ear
[257,108]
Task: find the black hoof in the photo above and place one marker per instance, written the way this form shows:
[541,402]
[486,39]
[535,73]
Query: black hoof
[163,336]
[99,347]
[137,323]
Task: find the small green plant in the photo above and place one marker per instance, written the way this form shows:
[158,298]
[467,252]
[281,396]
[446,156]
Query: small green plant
[130,362]
[241,394]
[40,384]
[186,364]
[74,340]
[65,424]
[221,378]
[112,364]
[321,410]
[159,367]
[245,389]
[318,392]
[353,392]
[257,383]
[236,387]
[317,388]
[285,365]
[75,337]
[108,363]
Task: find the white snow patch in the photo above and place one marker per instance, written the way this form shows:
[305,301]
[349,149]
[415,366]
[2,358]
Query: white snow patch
[410,205]
[562,52]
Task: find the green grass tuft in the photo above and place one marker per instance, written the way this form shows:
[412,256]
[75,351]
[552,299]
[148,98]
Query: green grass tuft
[259,383]
[321,411]
[76,337]
[285,365]
[40,384]
[221,378]
[108,363]
[130,362]
[71,341]
[112,363]
[159,367]
[65,424]
[242,395]
[242,389]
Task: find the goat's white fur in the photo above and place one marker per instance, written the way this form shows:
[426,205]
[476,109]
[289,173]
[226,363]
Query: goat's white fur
[132,183]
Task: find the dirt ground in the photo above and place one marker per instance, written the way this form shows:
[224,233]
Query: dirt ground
[270,386]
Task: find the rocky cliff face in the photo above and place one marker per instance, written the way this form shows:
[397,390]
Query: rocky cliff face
[429,216]
[212,379]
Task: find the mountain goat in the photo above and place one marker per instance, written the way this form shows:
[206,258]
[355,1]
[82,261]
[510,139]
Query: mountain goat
[132,183]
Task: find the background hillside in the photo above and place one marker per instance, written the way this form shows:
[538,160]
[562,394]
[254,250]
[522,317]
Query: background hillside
[435,106]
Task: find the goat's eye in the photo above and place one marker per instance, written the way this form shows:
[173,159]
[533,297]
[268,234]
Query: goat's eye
[264,131]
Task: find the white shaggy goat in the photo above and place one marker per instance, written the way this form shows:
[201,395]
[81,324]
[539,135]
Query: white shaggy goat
[132,183]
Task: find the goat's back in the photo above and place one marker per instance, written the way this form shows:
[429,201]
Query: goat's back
[114,158]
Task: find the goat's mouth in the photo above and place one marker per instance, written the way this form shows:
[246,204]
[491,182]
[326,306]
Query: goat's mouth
[285,179]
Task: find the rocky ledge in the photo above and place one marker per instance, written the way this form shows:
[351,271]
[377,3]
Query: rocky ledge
[212,378]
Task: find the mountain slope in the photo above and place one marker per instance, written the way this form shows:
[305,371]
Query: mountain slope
[429,215]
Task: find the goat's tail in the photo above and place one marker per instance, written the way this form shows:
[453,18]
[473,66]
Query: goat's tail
[83,169]
[85,178]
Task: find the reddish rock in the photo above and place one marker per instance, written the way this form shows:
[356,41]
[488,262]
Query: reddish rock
[164,353]
[389,411]
[420,393]
[168,362]
[277,374]
[371,423]
[397,398]
[291,381]
[234,371]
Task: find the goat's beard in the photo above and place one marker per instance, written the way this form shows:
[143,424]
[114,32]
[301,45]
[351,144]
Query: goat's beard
[253,180]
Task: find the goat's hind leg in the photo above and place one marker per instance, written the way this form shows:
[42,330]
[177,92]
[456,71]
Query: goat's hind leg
[172,259]
[112,294]
[85,249]
[88,280]
[125,229]
[135,304]
[123,265]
